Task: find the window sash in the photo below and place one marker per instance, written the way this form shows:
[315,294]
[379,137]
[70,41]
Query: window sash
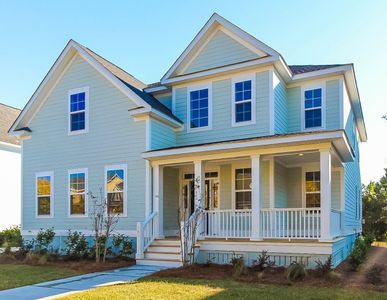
[72,193]
[44,196]
[202,110]
[313,180]
[243,101]
[244,179]
[117,190]
[313,107]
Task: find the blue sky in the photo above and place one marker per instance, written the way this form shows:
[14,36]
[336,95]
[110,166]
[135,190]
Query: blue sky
[145,38]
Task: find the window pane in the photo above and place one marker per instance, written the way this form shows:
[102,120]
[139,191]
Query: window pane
[116,202]
[77,121]
[313,118]
[115,180]
[77,204]
[77,183]
[312,200]
[199,108]
[77,102]
[243,200]
[43,206]
[44,185]
[238,86]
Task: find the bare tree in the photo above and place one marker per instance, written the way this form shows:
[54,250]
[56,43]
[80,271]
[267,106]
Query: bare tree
[104,221]
[189,226]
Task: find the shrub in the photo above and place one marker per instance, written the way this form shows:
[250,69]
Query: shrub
[123,245]
[262,262]
[358,254]
[11,237]
[374,275]
[43,240]
[238,265]
[369,239]
[334,276]
[295,272]
[76,245]
[323,268]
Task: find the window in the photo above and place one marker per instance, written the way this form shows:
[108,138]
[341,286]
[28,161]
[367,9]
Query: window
[243,188]
[243,104]
[44,194]
[313,108]
[115,189]
[78,110]
[199,108]
[312,189]
[77,192]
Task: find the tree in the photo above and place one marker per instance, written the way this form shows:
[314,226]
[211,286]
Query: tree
[375,208]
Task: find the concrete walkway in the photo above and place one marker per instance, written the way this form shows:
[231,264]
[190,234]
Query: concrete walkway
[52,289]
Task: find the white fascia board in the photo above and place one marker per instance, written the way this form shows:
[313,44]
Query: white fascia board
[221,70]
[324,72]
[263,142]
[142,112]
[10,147]
[161,88]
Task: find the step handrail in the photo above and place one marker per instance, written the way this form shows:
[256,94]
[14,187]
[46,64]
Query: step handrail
[146,234]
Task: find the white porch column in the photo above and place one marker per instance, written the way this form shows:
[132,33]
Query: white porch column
[199,177]
[256,231]
[325,193]
[158,199]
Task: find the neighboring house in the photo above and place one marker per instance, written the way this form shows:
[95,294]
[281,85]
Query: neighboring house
[10,169]
[272,149]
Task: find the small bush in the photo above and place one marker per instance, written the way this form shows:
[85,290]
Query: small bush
[43,240]
[334,276]
[369,239]
[323,268]
[238,265]
[374,275]
[11,237]
[123,245]
[358,254]
[295,272]
[76,245]
[262,262]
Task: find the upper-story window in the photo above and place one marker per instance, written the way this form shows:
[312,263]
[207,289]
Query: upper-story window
[77,192]
[44,194]
[199,108]
[78,110]
[313,108]
[243,104]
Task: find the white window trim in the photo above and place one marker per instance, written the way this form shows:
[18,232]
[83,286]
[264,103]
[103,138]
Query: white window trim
[69,113]
[253,100]
[323,106]
[76,171]
[118,167]
[196,88]
[240,165]
[41,174]
[313,167]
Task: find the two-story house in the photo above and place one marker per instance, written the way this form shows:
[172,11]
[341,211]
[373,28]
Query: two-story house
[269,151]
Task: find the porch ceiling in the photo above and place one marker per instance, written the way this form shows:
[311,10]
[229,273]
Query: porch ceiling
[305,158]
[261,145]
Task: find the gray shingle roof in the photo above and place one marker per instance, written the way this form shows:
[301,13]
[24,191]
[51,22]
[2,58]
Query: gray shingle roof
[8,115]
[133,83]
[300,69]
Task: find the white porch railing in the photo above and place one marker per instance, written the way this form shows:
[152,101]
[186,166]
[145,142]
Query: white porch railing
[187,232]
[292,223]
[227,223]
[146,233]
[335,223]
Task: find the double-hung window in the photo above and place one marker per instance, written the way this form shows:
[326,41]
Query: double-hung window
[199,108]
[44,194]
[78,192]
[243,104]
[243,188]
[313,108]
[115,189]
[312,189]
[78,110]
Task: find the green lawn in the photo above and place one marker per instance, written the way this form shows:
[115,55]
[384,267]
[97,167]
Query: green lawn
[171,288]
[13,275]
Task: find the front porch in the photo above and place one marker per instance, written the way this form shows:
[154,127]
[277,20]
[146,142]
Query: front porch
[272,195]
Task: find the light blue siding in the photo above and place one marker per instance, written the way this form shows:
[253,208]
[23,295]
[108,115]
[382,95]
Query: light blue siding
[221,114]
[225,187]
[162,135]
[265,184]
[294,187]
[332,111]
[336,189]
[280,186]
[221,50]
[293,100]
[113,138]
[165,99]
[280,109]
[342,248]
[171,200]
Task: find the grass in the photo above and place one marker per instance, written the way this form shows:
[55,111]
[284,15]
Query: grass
[14,275]
[189,289]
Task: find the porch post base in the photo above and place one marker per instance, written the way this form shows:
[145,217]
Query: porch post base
[140,256]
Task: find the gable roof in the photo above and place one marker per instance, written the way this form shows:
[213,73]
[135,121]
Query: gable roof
[8,115]
[300,69]
[128,84]
[215,22]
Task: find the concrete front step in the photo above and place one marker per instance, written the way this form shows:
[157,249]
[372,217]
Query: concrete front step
[168,248]
[166,243]
[159,262]
[162,255]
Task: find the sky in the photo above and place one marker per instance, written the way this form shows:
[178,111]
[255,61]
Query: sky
[146,37]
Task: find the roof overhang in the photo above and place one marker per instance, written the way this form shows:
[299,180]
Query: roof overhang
[337,138]
[141,112]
